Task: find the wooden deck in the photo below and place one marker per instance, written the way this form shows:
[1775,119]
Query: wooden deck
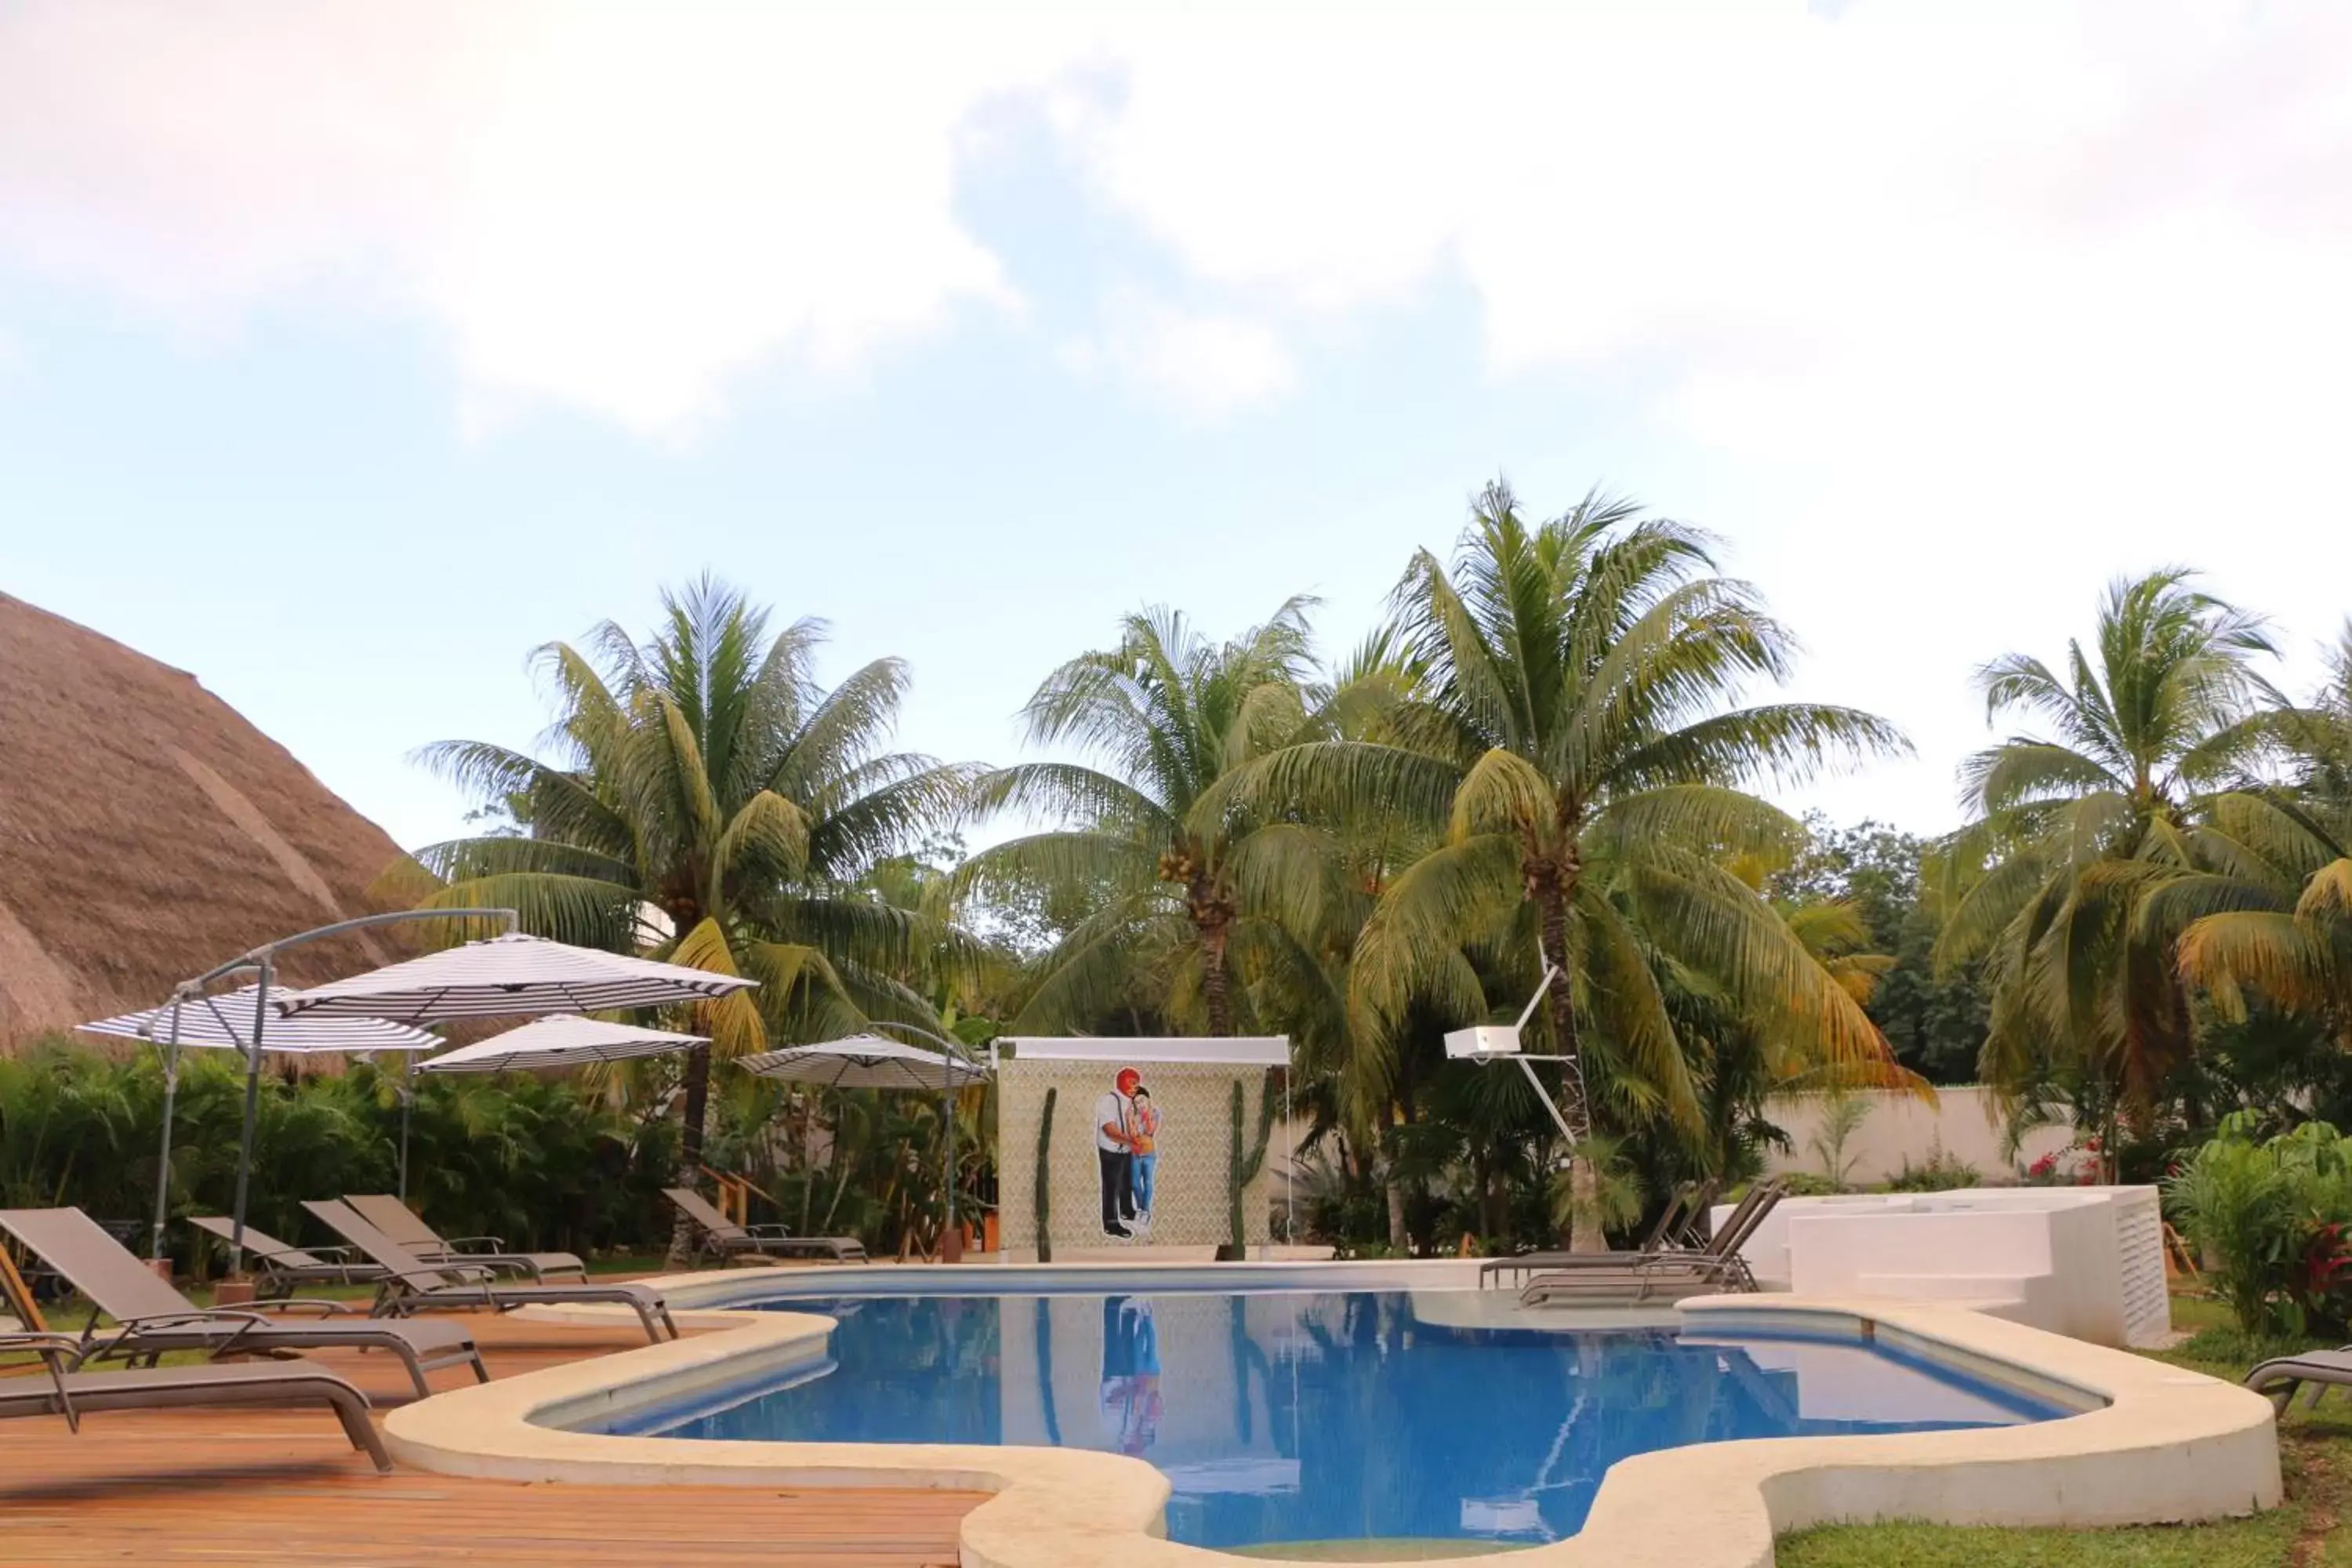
[277,1486]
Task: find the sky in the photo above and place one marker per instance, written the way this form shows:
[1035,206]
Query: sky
[349,352]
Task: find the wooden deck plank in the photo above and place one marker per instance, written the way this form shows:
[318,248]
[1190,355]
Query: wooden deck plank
[282,1487]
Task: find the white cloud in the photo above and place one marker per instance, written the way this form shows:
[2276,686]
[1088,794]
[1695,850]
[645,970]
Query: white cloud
[2060,229]
[1208,365]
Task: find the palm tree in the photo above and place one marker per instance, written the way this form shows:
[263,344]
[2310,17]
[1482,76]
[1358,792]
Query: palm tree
[1177,872]
[1572,742]
[2280,923]
[708,802]
[2077,828]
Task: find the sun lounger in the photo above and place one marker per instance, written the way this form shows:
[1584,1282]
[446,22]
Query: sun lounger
[284,1267]
[153,1319]
[60,1390]
[1669,1273]
[2281,1376]
[1681,1213]
[412,1285]
[723,1237]
[401,1223]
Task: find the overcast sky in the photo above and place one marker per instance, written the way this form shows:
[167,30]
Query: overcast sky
[348,352]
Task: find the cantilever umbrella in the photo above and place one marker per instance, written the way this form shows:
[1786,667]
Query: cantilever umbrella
[513,975]
[869,1061]
[227,1023]
[561,1042]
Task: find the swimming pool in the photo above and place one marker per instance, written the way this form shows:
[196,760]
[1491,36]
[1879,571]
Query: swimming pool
[1291,1417]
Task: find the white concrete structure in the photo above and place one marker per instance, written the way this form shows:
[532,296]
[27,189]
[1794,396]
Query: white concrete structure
[1964,1124]
[2086,1262]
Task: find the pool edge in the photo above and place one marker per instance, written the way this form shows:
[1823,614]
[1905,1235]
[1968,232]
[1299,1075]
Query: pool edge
[2170,1445]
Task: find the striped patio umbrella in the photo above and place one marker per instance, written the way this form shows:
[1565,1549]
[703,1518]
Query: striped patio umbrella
[511,976]
[561,1042]
[863,1061]
[231,1022]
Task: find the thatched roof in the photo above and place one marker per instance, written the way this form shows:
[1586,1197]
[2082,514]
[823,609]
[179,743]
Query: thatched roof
[148,832]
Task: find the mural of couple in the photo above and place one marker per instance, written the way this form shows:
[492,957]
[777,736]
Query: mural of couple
[1126,1146]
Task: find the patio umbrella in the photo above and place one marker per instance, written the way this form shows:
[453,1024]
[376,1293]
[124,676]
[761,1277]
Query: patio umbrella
[865,1061]
[561,1042]
[869,1061]
[228,1023]
[514,976]
[511,976]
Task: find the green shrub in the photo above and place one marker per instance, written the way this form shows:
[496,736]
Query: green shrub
[1943,1173]
[2277,1218]
[1809,1184]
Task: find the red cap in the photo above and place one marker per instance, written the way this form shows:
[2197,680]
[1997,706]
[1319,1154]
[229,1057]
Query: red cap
[1127,1079]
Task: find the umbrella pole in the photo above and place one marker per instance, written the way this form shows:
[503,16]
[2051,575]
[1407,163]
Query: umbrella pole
[164,1159]
[252,1117]
[947,1103]
[407,1107]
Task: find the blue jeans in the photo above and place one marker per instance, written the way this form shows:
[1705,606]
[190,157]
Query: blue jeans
[1144,1165]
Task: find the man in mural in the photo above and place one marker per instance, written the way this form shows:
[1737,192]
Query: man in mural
[1114,1152]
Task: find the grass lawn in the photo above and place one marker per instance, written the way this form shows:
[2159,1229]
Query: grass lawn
[2315,1449]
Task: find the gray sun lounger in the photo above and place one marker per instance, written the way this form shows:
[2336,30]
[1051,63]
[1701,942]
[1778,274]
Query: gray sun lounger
[725,1238]
[2281,1377]
[153,1319]
[1680,1215]
[401,1223]
[410,1284]
[1670,1273]
[74,1395]
[283,1266]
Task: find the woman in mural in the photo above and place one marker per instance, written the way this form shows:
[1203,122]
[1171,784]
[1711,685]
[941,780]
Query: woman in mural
[1145,1124]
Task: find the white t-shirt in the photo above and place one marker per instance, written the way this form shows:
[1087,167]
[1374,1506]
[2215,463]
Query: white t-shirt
[1110,1110]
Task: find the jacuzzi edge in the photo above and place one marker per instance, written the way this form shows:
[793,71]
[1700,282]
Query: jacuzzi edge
[2169,1445]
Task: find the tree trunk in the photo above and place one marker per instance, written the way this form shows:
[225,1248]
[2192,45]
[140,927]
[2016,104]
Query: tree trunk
[1212,978]
[689,1151]
[1553,892]
[1398,1240]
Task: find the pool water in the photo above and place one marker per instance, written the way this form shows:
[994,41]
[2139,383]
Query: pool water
[1302,1417]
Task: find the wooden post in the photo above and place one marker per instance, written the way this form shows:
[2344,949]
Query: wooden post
[20,1296]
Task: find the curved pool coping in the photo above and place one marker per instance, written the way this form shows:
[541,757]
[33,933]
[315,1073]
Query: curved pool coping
[2164,1445]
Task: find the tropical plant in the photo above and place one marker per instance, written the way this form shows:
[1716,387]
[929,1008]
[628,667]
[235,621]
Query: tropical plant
[708,802]
[2275,1219]
[1843,1114]
[1177,872]
[2077,827]
[1571,746]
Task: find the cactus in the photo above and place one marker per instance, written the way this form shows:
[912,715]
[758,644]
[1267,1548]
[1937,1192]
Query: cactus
[1044,1179]
[1243,1169]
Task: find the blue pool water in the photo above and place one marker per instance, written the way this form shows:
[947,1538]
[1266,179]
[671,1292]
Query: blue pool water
[1292,1416]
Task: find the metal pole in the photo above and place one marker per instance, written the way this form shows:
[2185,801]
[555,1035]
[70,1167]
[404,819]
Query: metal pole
[171,1092]
[408,1104]
[252,1117]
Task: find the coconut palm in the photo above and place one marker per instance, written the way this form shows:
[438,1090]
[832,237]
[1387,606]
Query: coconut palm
[2279,922]
[2078,827]
[709,803]
[1573,744]
[1176,871]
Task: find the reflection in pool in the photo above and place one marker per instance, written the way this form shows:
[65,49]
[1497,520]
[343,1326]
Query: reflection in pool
[1300,1417]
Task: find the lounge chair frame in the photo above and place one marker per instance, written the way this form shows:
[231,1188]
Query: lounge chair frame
[71,1393]
[152,1319]
[412,1285]
[722,1237]
[407,1226]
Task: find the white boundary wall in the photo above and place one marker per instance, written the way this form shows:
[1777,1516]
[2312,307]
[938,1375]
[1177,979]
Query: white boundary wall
[2086,1262]
[1965,1124]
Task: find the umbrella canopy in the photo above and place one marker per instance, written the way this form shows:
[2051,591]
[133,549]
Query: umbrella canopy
[509,976]
[865,1061]
[226,1023]
[562,1042]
